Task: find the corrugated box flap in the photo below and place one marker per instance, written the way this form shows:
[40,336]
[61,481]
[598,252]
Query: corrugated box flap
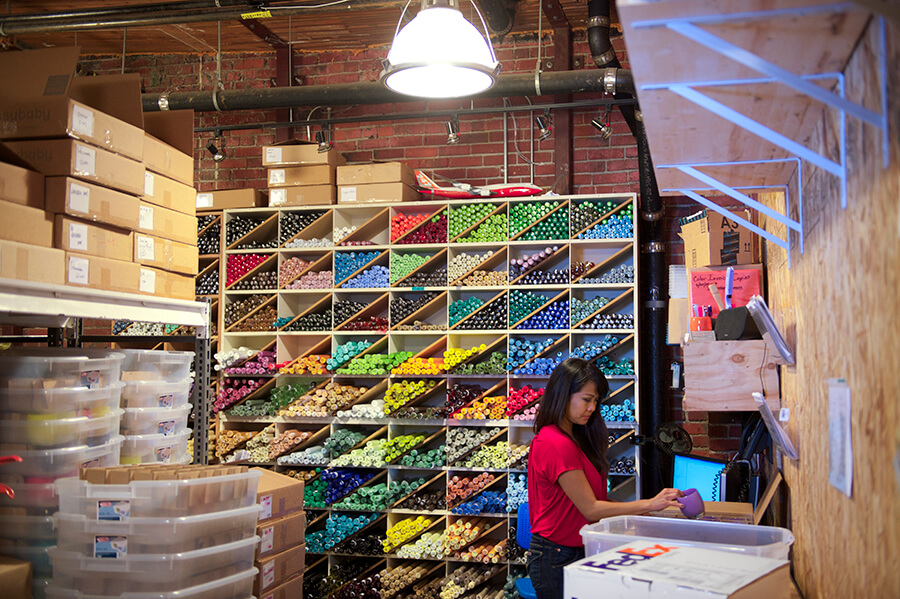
[175,127]
[118,96]
[37,73]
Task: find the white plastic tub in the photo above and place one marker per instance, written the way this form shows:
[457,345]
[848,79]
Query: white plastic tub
[36,432]
[155,449]
[160,498]
[155,421]
[157,535]
[64,402]
[763,541]
[38,556]
[28,530]
[151,573]
[32,499]
[45,466]
[156,365]
[152,394]
[237,586]
[59,367]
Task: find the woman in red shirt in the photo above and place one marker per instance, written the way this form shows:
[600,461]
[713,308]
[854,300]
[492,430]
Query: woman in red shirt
[567,469]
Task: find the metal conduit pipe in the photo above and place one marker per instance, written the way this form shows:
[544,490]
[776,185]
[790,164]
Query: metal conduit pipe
[498,14]
[653,257]
[99,13]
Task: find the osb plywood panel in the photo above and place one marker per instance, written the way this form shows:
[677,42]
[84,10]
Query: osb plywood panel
[840,304]
[757,175]
[721,376]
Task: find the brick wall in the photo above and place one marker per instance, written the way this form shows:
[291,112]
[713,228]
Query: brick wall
[599,166]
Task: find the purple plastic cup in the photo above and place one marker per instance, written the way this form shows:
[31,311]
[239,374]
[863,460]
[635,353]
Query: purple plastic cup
[693,504]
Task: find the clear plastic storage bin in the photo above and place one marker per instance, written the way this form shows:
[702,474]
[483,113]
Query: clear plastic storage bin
[157,535]
[156,365]
[155,449]
[64,402]
[35,432]
[38,556]
[151,573]
[237,586]
[161,498]
[155,421]
[58,367]
[763,541]
[45,466]
[29,530]
[139,394]
[32,499]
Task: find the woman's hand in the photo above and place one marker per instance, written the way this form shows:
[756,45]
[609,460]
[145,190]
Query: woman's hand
[665,498]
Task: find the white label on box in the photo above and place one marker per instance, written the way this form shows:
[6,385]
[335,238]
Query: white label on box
[273,154]
[149,183]
[145,221]
[268,539]
[114,510]
[276,175]
[82,120]
[277,197]
[348,194]
[148,280]
[164,454]
[146,248]
[266,502]
[78,237]
[79,198]
[110,546]
[85,161]
[78,270]
[204,200]
[268,575]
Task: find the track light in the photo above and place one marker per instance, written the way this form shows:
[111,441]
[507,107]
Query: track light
[602,126]
[452,132]
[216,147]
[544,125]
[323,138]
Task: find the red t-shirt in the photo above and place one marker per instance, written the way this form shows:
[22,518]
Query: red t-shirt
[553,515]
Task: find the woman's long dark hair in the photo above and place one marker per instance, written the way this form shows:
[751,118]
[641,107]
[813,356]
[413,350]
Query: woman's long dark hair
[566,380]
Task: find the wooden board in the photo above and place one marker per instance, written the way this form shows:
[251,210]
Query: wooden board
[720,376]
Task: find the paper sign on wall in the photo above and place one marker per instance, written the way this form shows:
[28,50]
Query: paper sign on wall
[747,283]
[840,440]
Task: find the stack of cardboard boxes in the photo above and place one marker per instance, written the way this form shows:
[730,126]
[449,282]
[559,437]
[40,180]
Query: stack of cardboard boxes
[113,201]
[281,557]
[300,175]
[376,182]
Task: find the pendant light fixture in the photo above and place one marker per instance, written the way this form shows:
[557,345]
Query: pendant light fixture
[439,54]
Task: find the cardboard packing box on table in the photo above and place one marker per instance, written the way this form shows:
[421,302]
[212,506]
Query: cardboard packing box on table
[18,183]
[25,224]
[278,568]
[166,254]
[81,237]
[300,153]
[102,273]
[293,176]
[168,224]
[377,192]
[375,172]
[32,263]
[303,195]
[226,199]
[166,284]
[90,202]
[281,534]
[15,578]
[292,589]
[279,495]
[169,193]
[169,144]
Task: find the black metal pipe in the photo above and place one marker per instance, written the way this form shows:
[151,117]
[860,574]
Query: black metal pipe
[498,14]
[100,13]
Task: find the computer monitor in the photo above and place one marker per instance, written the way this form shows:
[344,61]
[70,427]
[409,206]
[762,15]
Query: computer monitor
[707,475]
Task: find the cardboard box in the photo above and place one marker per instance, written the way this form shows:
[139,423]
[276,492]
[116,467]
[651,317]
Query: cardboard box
[73,235]
[303,195]
[72,158]
[162,158]
[32,263]
[167,224]
[715,511]
[15,578]
[41,98]
[279,495]
[26,225]
[166,284]
[291,176]
[377,192]
[18,184]
[292,589]
[714,240]
[646,569]
[169,193]
[679,320]
[231,198]
[298,153]
[169,144]
[278,568]
[102,273]
[166,254]
[283,533]
[94,203]
[377,172]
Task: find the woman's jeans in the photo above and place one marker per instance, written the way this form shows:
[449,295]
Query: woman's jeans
[545,566]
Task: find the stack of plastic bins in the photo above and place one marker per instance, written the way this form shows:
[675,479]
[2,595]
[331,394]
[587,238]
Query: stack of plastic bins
[155,400]
[184,539]
[59,411]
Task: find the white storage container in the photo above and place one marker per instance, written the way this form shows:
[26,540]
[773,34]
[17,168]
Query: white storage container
[156,365]
[157,535]
[32,499]
[38,556]
[29,530]
[159,573]
[138,394]
[160,498]
[59,367]
[237,586]
[45,466]
[35,432]
[764,541]
[155,449]
[155,421]
[64,402]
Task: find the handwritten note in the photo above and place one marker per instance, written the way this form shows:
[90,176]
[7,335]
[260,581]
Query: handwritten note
[747,283]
